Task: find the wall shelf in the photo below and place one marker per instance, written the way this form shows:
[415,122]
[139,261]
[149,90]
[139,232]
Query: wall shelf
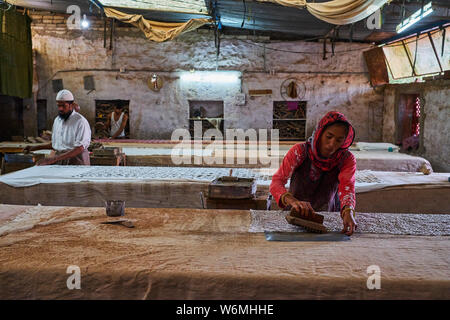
[290,123]
[205,110]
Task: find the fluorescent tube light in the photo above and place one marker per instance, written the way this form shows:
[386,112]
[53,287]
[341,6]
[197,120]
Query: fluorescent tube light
[416,16]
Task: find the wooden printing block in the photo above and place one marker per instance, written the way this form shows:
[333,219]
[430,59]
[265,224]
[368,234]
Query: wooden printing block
[232,188]
[307,224]
[41,140]
[31,139]
[317,218]
[107,152]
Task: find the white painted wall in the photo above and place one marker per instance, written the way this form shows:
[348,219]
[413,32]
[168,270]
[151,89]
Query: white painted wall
[155,115]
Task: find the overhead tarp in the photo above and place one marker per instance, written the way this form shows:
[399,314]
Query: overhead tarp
[16,58]
[155,30]
[337,12]
[50,5]
[192,6]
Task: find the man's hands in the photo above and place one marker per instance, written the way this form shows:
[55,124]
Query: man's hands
[42,162]
[348,219]
[302,207]
[46,161]
[29,148]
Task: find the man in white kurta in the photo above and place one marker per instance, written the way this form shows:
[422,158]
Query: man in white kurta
[71,135]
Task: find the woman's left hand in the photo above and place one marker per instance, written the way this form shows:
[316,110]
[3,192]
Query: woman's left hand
[349,221]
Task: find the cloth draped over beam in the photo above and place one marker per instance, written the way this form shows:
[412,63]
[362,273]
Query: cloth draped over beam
[16,55]
[155,30]
[337,12]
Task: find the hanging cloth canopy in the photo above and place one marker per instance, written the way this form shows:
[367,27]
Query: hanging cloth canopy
[155,30]
[337,12]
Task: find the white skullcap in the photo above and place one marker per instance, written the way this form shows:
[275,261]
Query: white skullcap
[64,95]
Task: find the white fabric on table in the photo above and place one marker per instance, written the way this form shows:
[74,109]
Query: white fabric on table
[75,174]
[375,146]
[366,180]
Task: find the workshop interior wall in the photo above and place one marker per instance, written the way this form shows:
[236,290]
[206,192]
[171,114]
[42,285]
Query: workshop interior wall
[339,82]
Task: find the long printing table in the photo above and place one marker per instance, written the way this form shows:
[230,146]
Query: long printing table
[365,160]
[248,157]
[176,187]
[369,156]
[216,254]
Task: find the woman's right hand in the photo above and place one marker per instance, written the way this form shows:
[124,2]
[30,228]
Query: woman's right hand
[303,207]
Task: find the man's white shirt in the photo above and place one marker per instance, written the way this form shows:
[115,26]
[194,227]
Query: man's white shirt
[72,133]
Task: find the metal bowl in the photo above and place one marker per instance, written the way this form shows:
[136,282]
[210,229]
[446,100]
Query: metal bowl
[115,208]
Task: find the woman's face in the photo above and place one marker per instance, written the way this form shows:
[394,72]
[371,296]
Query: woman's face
[332,139]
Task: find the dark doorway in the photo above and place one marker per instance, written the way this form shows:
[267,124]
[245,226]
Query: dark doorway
[11,120]
[408,121]
[41,115]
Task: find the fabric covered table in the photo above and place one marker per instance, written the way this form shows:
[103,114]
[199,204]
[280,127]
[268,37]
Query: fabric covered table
[365,160]
[389,161]
[177,187]
[138,186]
[205,254]
[369,155]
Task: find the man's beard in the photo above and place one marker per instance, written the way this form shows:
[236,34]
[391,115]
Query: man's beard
[65,116]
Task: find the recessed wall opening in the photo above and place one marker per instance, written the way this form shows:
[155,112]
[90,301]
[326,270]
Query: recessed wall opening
[103,110]
[209,112]
[11,120]
[289,117]
[41,115]
[408,121]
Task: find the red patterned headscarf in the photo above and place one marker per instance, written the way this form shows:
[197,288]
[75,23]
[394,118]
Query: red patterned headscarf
[327,164]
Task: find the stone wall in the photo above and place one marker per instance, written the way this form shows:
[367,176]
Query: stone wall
[338,83]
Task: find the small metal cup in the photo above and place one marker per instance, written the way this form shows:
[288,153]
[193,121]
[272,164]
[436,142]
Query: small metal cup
[115,208]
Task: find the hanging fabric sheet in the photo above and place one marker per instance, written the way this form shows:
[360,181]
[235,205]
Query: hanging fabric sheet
[337,12]
[16,58]
[155,30]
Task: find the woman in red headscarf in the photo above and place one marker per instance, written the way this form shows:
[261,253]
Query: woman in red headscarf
[322,172]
